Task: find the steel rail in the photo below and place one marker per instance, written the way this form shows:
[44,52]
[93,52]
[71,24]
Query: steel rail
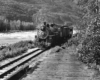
[18,58]
[10,69]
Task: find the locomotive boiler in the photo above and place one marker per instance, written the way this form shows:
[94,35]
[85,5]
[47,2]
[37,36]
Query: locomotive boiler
[50,35]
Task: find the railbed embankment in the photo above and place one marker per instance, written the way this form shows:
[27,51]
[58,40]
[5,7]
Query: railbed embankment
[62,65]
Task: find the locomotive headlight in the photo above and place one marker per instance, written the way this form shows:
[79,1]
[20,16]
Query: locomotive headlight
[59,29]
[40,33]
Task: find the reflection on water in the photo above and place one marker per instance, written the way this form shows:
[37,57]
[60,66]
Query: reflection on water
[10,38]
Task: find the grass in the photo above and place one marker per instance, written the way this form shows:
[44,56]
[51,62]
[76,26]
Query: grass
[15,49]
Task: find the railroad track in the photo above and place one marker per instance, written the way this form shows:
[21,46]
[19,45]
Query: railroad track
[13,67]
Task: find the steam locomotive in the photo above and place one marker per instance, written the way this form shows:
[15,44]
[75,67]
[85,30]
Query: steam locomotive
[50,35]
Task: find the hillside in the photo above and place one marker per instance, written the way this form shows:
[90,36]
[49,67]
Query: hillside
[15,10]
[57,11]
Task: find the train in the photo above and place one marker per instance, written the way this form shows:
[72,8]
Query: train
[49,35]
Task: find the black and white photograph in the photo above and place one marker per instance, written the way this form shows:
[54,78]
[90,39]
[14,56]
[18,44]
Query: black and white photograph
[49,39]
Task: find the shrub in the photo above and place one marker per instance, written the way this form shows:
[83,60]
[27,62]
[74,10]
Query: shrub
[15,49]
[90,51]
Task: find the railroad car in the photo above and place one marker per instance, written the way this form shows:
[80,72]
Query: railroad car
[52,34]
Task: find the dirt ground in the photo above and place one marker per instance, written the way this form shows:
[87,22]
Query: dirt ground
[62,65]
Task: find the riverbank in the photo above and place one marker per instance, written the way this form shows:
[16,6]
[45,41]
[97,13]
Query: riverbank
[16,49]
[13,44]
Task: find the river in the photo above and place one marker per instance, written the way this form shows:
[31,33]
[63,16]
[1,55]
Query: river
[10,38]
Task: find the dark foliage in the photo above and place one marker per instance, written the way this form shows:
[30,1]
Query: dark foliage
[90,52]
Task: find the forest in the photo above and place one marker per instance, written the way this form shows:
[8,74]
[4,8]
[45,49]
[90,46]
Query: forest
[16,25]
